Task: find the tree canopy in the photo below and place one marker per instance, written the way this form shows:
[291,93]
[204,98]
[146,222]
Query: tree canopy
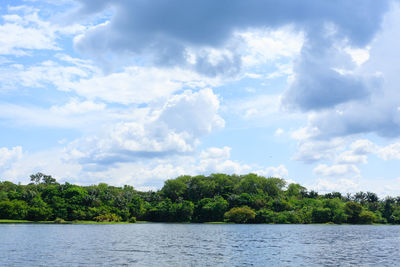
[218,197]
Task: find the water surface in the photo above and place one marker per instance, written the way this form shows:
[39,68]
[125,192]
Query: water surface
[159,244]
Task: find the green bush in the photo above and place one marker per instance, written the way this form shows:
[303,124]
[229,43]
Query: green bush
[367,217]
[108,217]
[59,221]
[240,215]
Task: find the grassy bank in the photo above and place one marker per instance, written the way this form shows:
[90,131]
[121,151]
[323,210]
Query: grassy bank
[64,222]
[5,221]
[25,221]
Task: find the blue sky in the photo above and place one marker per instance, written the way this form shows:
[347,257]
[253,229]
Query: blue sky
[137,92]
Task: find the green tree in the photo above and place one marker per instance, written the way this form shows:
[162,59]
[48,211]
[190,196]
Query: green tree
[265,216]
[287,217]
[295,190]
[39,210]
[182,212]
[211,209]
[353,211]
[174,188]
[395,217]
[337,213]
[14,209]
[321,215]
[367,217]
[40,177]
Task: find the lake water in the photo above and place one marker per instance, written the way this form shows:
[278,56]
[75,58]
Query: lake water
[159,244]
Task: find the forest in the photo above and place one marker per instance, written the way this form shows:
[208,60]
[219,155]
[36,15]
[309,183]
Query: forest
[198,199]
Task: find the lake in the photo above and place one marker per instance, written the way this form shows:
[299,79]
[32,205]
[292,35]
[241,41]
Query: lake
[161,244]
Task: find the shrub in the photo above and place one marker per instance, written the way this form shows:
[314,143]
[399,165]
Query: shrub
[367,217]
[240,215]
[108,217]
[59,220]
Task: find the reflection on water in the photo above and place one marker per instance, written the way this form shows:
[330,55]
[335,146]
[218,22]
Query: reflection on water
[198,245]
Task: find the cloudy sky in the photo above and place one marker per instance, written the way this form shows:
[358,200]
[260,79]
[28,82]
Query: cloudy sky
[136,92]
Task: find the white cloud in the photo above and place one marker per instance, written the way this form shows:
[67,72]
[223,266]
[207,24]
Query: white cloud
[133,85]
[195,113]
[374,110]
[216,153]
[173,129]
[49,72]
[305,133]
[336,170]
[262,46]
[310,151]
[357,152]
[46,161]
[362,147]
[78,107]
[143,174]
[8,156]
[390,152]
[349,157]
[217,160]
[337,185]
[359,55]
[23,31]
[280,172]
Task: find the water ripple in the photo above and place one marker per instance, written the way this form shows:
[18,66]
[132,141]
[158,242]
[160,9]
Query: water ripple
[198,245]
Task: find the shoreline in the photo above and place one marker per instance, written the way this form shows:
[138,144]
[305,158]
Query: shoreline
[7,221]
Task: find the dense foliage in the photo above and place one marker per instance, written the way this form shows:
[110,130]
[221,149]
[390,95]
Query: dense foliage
[216,198]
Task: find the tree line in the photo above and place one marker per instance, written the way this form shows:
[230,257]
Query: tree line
[215,198]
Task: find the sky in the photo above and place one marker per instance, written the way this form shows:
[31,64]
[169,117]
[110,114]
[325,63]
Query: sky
[137,92]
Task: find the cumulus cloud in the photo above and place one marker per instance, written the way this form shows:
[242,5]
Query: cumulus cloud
[138,116]
[202,23]
[317,86]
[174,129]
[280,172]
[343,177]
[336,170]
[46,161]
[349,157]
[362,147]
[375,109]
[357,153]
[343,151]
[194,113]
[390,152]
[8,156]
[338,185]
[168,31]
[217,160]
